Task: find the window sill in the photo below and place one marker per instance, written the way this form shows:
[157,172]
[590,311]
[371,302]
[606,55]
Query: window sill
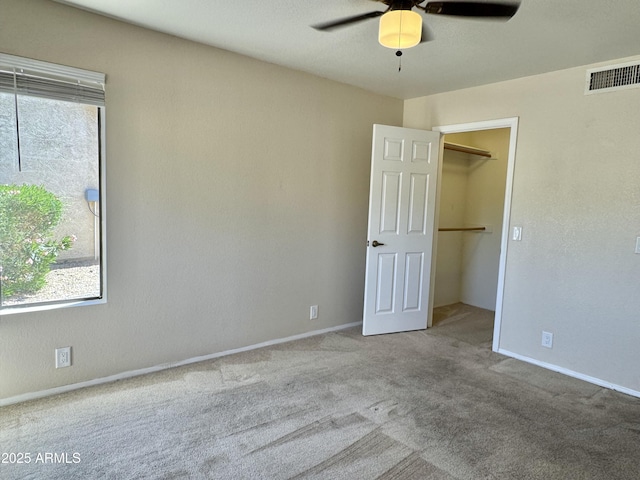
[51,306]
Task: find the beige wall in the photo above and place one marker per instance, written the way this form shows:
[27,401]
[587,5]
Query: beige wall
[485,206]
[454,182]
[237,197]
[577,196]
[472,194]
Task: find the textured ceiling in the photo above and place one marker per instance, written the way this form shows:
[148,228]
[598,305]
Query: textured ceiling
[544,35]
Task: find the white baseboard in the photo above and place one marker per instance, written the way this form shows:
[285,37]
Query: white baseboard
[142,371]
[571,373]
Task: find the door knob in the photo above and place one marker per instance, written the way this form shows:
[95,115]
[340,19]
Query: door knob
[376,243]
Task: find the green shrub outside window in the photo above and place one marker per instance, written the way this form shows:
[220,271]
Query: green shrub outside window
[28,216]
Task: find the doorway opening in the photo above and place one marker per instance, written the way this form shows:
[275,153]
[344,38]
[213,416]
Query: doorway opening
[473,211]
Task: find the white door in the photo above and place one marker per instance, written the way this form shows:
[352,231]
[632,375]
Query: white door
[404,169]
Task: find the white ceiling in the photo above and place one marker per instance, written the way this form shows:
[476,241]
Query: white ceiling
[544,35]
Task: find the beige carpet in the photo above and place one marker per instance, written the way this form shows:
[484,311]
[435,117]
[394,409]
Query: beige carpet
[434,404]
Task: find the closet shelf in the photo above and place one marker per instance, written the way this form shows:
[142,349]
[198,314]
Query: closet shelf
[466,149]
[463,229]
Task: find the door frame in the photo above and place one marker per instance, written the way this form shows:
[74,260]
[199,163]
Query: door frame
[512,123]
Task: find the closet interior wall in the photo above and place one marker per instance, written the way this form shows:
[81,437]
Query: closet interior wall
[472,194]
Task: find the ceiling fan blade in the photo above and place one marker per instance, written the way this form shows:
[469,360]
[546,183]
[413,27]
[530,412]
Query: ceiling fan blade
[473,9]
[346,21]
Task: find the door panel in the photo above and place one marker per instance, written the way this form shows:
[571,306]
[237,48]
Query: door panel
[404,168]
[413,281]
[385,285]
[418,204]
[390,202]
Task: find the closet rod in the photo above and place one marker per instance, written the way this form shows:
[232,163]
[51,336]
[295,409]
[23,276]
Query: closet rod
[466,149]
[463,229]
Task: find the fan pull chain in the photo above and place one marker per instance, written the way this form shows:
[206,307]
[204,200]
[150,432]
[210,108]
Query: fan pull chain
[399,55]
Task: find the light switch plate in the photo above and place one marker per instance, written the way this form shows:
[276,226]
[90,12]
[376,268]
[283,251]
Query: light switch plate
[517,234]
[637,244]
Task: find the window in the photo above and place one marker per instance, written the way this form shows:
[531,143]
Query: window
[52,226]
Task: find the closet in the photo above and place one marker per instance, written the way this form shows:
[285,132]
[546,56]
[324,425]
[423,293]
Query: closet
[472,190]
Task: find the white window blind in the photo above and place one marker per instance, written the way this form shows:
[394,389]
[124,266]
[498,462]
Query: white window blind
[34,78]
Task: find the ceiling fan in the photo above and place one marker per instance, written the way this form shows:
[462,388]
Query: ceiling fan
[401,27]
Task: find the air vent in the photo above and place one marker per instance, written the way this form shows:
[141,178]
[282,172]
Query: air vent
[613,77]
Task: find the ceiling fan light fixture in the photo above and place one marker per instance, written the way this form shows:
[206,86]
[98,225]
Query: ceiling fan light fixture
[400,29]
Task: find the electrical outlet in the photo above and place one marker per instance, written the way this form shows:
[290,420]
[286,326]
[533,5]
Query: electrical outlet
[547,339]
[313,312]
[63,357]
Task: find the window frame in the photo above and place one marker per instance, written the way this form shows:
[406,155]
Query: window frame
[81,76]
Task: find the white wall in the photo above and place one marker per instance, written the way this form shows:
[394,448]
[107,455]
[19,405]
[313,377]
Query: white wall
[576,194]
[237,197]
